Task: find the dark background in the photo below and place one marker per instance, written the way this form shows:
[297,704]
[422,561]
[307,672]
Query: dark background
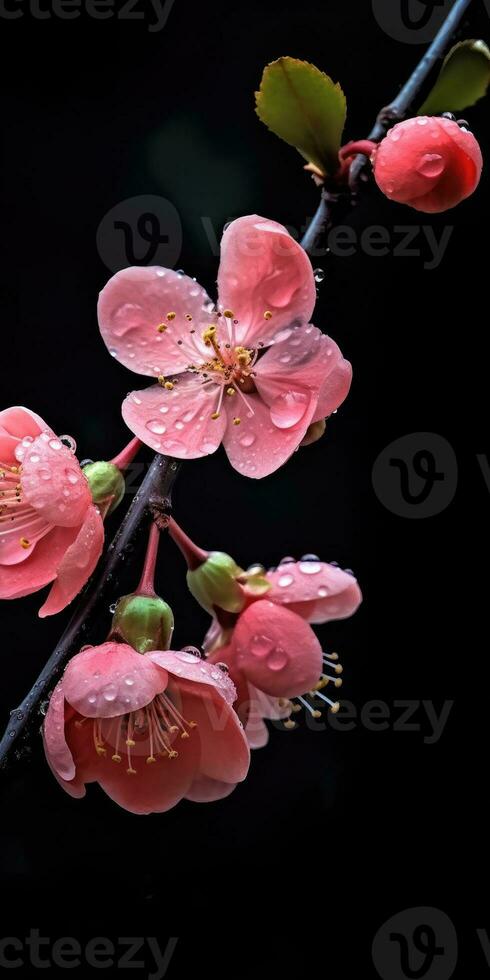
[342,829]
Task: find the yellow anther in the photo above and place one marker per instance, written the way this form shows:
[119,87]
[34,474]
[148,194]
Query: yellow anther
[335,707]
[100,750]
[296,708]
[25,543]
[170,316]
[192,724]
[130,742]
[185,735]
[289,723]
[151,758]
[243,356]
[116,758]
[236,421]
[131,772]
[338,682]
[230,391]
[168,385]
[161,327]
[316,714]
[267,315]
[172,754]
[209,334]
[228,313]
[215,415]
[338,668]
[161,379]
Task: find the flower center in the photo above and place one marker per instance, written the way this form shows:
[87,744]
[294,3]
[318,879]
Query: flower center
[230,366]
[310,701]
[12,508]
[150,731]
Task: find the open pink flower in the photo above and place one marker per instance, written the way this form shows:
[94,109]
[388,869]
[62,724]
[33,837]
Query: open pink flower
[149,728]
[272,653]
[216,380]
[50,529]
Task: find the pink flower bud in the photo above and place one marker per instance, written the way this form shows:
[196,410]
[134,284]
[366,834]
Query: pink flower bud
[430,163]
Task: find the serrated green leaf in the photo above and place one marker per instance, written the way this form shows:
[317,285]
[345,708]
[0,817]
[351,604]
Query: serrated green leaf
[463,79]
[303,106]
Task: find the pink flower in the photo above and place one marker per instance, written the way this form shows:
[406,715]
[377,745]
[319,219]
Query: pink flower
[216,380]
[272,653]
[149,728]
[50,529]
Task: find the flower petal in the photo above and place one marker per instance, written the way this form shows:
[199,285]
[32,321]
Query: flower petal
[206,790]
[258,447]
[224,750]
[110,680]
[315,590]
[306,361]
[56,748]
[263,269]
[20,422]
[276,650]
[77,563]
[176,422]
[135,302]
[184,665]
[40,567]
[18,525]
[53,483]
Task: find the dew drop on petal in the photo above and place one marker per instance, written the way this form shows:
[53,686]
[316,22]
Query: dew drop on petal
[247,440]
[110,692]
[154,425]
[278,659]
[260,645]
[55,444]
[285,580]
[310,567]
[430,165]
[287,410]
[322,591]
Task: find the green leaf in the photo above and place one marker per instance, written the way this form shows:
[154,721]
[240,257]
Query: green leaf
[463,79]
[303,106]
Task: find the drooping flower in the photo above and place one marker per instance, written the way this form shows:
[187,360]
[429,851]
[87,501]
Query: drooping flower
[431,163]
[150,728]
[252,373]
[50,528]
[260,629]
[273,655]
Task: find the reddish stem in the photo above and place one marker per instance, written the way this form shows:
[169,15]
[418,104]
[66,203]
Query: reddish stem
[193,555]
[366,147]
[147,581]
[126,456]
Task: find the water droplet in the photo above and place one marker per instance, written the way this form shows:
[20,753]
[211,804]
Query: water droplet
[395,134]
[256,569]
[92,698]
[55,444]
[69,442]
[174,446]
[285,580]
[72,478]
[137,401]
[285,358]
[283,335]
[260,645]
[208,447]
[310,558]
[163,409]
[129,681]
[154,425]
[27,441]
[310,567]
[430,165]
[110,692]
[179,424]
[113,351]
[322,591]
[277,659]
[188,658]
[288,560]
[319,275]
[44,473]
[390,187]
[422,121]
[112,607]
[34,458]
[287,410]
[247,440]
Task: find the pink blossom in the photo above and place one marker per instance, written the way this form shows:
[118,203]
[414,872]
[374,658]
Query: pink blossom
[149,728]
[50,529]
[252,373]
[272,653]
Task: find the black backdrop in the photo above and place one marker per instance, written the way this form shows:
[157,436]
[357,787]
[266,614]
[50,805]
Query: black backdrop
[345,827]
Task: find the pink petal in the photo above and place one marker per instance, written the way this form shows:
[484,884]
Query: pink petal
[77,563]
[53,483]
[263,269]
[224,751]
[133,304]
[315,590]
[21,422]
[40,567]
[256,731]
[111,680]
[271,708]
[276,650]
[258,447]
[153,788]
[205,790]
[176,422]
[8,445]
[184,665]
[306,361]
[57,751]
[19,524]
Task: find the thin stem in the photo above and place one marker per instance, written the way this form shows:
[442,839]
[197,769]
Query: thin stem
[126,456]
[406,97]
[147,581]
[155,488]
